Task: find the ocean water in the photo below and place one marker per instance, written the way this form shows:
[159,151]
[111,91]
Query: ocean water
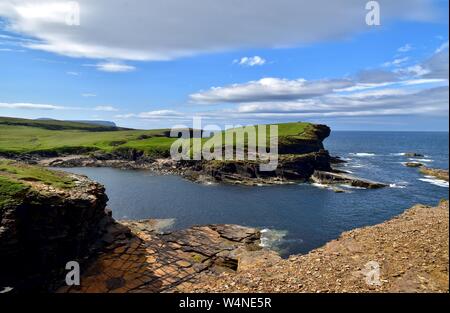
[294,218]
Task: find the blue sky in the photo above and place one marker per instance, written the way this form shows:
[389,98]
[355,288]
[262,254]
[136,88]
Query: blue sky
[156,67]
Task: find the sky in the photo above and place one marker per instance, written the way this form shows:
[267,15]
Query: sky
[155,64]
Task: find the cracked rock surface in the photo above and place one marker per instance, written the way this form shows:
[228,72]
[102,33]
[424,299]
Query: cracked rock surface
[145,260]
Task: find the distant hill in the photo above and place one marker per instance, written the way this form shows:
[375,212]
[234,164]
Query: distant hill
[101,123]
[93,122]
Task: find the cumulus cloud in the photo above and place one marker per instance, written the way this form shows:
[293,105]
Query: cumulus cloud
[384,102]
[420,89]
[251,61]
[168,29]
[269,89]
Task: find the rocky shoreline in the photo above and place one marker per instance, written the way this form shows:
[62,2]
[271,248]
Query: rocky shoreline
[313,167]
[46,226]
[409,253]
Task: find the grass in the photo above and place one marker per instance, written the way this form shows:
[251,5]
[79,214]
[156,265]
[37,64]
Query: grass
[22,136]
[10,191]
[22,173]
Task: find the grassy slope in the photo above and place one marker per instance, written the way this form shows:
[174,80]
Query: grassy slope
[26,136]
[15,179]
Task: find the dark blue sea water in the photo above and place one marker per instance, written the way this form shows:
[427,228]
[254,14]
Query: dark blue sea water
[300,217]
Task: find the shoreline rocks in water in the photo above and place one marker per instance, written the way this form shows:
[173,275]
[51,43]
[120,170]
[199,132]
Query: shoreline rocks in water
[413,164]
[437,173]
[341,178]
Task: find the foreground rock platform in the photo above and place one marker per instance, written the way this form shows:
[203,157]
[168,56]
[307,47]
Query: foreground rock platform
[145,260]
[411,252]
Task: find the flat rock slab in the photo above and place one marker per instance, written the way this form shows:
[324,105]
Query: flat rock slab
[151,261]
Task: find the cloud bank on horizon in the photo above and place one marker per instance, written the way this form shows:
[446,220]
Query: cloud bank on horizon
[118,43]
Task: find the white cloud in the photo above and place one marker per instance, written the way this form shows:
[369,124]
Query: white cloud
[73,73]
[113,67]
[269,89]
[39,106]
[30,106]
[396,62]
[405,48]
[168,29]
[383,102]
[158,114]
[416,70]
[88,95]
[251,61]
[105,108]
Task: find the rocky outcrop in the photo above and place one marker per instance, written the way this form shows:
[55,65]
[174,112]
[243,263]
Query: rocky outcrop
[413,155]
[291,168]
[45,228]
[413,164]
[409,253]
[341,178]
[434,172]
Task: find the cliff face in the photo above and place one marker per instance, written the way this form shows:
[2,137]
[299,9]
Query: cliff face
[310,142]
[45,226]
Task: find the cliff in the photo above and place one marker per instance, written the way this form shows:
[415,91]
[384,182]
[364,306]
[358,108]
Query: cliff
[47,219]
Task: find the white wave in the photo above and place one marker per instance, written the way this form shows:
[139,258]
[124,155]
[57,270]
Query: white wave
[363,154]
[398,154]
[351,187]
[435,181]
[271,238]
[322,186]
[356,165]
[421,160]
[399,186]
[346,159]
[163,224]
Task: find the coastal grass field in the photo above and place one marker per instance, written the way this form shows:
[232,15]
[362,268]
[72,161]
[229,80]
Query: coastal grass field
[15,178]
[21,136]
